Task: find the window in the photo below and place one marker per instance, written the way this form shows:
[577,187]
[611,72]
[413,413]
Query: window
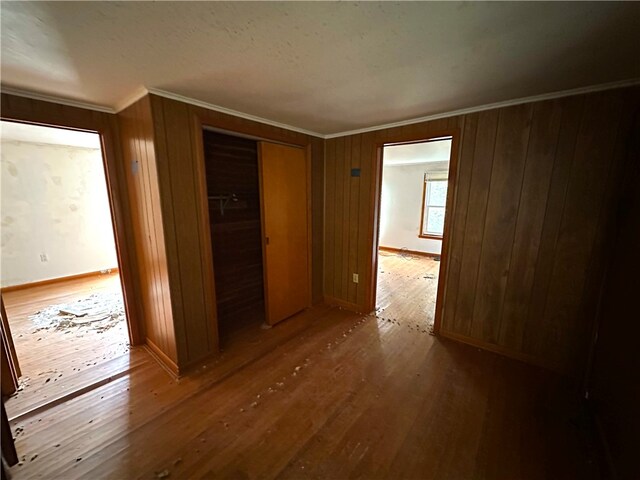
[434,201]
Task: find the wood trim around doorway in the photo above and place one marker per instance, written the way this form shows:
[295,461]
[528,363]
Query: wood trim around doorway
[202,119]
[38,112]
[374,234]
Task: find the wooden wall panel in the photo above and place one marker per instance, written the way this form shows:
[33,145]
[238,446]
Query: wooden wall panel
[236,234]
[177,174]
[142,179]
[317,219]
[543,141]
[534,191]
[613,388]
[461,313]
[177,139]
[329,220]
[509,154]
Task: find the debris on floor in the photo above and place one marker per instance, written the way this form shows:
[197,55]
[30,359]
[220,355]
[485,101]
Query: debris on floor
[99,312]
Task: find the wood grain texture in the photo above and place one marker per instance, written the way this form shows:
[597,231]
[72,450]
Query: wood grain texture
[179,197]
[57,362]
[284,194]
[27,110]
[400,404]
[136,126]
[532,199]
[614,392]
[10,369]
[236,233]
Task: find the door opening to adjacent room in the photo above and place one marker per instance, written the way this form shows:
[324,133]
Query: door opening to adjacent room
[413,199]
[63,313]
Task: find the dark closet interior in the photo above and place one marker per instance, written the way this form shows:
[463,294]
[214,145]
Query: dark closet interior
[234,212]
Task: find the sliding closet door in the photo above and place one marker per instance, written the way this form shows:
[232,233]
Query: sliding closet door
[283,172]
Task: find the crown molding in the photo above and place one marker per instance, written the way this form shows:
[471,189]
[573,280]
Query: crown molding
[52,99]
[141,92]
[131,99]
[490,106]
[228,111]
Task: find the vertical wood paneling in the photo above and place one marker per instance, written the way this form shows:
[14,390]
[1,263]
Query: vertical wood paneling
[330,220]
[534,194]
[181,158]
[615,395]
[142,176]
[354,207]
[346,212]
[236,233]
[593,158]
[340,221]
[476,212]
[363,261]
[317,219]
[545,131]
[500,220]
[459,215]
[572,112]
[178,142]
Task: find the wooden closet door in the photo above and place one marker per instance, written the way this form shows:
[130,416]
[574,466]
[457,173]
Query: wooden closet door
[283,189]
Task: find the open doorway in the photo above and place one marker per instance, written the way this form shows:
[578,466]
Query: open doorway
[233,195]
[61,288]
[413,200]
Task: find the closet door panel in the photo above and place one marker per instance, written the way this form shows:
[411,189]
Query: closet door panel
[283,172]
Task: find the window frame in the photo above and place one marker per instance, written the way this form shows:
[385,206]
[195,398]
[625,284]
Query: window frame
[425,187]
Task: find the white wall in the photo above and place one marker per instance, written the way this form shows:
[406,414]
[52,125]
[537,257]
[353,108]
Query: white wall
[53,201]
[401,206]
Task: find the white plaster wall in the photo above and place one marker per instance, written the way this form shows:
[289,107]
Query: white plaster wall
[401,203]
[53,201]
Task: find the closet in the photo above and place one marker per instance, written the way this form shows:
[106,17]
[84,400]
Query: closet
[258,214]
[234,213]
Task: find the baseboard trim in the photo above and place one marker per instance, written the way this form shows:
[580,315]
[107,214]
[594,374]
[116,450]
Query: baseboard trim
[505,352]
[49,281]
[163,360]
[336,302]
[412,252]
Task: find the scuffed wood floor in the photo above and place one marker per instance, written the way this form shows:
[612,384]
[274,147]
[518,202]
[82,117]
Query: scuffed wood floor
[56,363]
[407,288]
[326,394]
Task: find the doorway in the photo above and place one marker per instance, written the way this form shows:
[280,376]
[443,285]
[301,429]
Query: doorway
[413,207]
[233,195]
[60,277]
[257,205]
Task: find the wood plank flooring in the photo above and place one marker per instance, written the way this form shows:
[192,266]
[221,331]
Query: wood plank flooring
[56,363]
[407,288]
[325,394]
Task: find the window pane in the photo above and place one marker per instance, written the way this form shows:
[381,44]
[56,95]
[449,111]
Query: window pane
[437,193]
[435,220]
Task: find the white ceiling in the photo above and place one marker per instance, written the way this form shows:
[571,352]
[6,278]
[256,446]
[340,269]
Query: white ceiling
[413,153]
[22,132]
[320,66]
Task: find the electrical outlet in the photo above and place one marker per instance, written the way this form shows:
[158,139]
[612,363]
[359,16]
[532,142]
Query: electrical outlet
[44,258]
[355,278]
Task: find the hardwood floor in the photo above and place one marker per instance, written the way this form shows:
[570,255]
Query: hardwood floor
[56,363]
[325,394]
[407,287]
